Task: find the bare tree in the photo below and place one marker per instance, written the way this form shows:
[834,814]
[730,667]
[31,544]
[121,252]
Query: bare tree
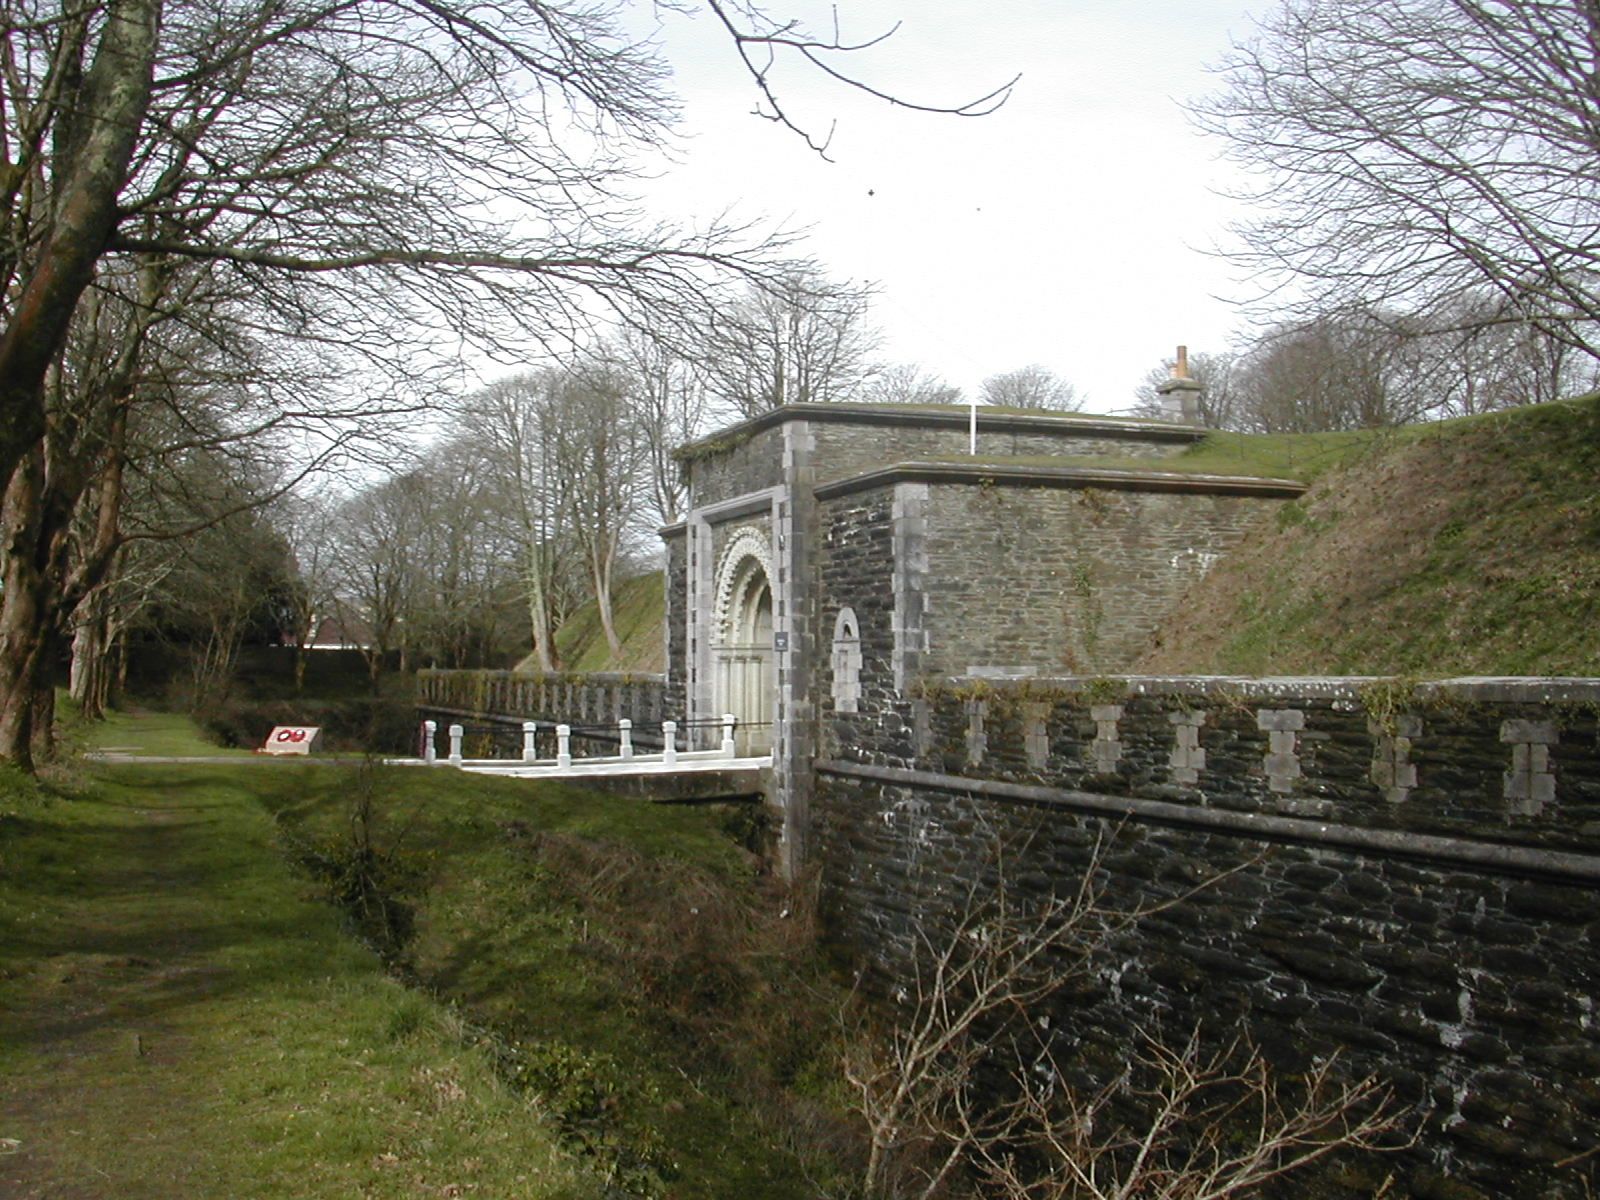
[1181,1122]
[671,406]
[800,340]
[379,539]
[1478,364]
[307,523]
[464,567]
[605,461]
[907,383]
[1411,151]
[351,181]
[1033,386]
[517,428]
[1214,1124]
[103,619]
[1365,370]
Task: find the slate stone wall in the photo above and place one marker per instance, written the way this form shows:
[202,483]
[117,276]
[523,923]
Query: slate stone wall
[1414,882]
[675,633]
[856,568]
[735,464]
[845,450]
[742,460]
[1065,580]
[1011,580]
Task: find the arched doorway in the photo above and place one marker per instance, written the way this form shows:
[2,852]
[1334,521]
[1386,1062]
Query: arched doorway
[742,652]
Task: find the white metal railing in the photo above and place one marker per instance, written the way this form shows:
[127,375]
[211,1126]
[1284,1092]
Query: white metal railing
[628,758]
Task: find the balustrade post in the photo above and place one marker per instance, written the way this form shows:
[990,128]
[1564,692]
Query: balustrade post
[563,745]
[529,749]
[728,722]
[625,726]
[456,733]
[429,753]
[669,749]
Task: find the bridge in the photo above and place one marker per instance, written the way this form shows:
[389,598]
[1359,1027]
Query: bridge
[667,774]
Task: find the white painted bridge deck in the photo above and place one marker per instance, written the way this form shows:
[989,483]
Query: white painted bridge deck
[628,762]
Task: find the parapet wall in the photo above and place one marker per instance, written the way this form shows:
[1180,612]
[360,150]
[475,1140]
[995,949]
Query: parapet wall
[570,697]
[1403,873]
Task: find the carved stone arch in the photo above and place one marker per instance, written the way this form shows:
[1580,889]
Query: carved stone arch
[744,666]
[749,542]
[846,661]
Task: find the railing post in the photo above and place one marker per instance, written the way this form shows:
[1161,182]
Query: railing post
[455,744]
[669,749]
[625,726]
[529,750]
[728,722]
[563,745]
[429,753]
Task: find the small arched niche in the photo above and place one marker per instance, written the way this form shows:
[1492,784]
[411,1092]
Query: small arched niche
[846,662]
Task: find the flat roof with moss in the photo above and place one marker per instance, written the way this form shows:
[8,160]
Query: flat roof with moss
[991,419]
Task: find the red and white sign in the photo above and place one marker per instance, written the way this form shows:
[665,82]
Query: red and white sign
[293,739]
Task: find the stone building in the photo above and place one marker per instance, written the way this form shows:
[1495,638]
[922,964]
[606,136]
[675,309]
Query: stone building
[921,541]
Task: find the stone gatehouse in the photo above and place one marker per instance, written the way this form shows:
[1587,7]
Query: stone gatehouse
[935,539]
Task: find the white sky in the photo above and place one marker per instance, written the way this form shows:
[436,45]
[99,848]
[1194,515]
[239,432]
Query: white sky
[1069,228]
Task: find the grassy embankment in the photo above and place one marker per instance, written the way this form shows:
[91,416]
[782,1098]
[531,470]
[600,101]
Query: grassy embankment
[602,995]
[1467,547]
[637,608]
[1459,547]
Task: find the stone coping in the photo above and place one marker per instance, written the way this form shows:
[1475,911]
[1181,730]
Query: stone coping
[990,420]
[607,678]
[1501,857]
[1011,475]
[1516,689]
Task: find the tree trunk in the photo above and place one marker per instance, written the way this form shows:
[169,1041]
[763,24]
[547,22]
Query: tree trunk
[544,639]
[602,601]
[91,643]
[42,721]
[112,103]
[90,676]
[24,610]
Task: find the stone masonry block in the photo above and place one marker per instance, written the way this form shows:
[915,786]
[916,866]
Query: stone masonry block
[1529,784]
[977,739]
[1540,733]
[1107,747]
[1187,759]
[1280,719]
[1286,765]
[1036,735]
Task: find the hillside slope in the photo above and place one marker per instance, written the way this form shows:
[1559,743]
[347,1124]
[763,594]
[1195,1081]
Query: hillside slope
[637,608]
[1467,547]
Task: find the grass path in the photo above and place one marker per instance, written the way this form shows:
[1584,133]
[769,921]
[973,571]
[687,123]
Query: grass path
[181,1015]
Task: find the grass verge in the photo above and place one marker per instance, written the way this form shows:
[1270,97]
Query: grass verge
[623,960]
[182,1015]
[601,996]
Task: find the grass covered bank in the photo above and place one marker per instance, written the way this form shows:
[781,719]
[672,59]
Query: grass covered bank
[182,1015]
[622,960]
[603,998]
[1466,547]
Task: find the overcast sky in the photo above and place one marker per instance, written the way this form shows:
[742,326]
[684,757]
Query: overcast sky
[1069,228]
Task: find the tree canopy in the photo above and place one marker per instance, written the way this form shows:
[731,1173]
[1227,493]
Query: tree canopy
[1409,152]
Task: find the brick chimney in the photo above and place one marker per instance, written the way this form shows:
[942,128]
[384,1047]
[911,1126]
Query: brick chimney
[1180,395]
